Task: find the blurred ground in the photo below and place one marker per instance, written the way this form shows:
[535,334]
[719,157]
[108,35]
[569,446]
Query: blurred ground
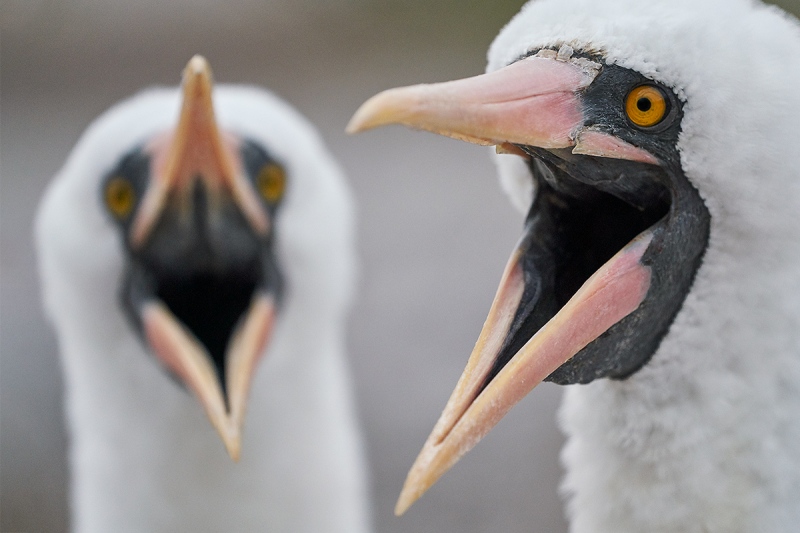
[434,235]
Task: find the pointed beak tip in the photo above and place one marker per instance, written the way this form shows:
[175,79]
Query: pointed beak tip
[416,485]
[355,125]
[197,78]
[198,65]
[404,502]
[364,118]
[233,446]
[391,106]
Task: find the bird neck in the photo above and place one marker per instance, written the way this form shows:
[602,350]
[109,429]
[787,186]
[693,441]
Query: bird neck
[704,437]
[143,453]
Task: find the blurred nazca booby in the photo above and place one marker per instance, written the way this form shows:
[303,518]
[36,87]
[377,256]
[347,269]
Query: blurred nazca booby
[188,235]
[655,147]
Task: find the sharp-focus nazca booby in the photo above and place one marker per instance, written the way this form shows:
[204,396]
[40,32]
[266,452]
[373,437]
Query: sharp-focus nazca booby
[656,147]
[188,235]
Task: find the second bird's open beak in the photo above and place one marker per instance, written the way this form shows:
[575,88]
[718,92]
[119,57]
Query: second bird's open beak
[534,102]
[197,199]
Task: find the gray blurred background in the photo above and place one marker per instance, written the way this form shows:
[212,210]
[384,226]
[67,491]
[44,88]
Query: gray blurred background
[435,230]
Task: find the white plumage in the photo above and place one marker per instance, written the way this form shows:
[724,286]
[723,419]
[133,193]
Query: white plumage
[705,437]
[143,455]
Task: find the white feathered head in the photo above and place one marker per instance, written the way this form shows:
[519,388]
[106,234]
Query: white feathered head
[187,223]
[654,147]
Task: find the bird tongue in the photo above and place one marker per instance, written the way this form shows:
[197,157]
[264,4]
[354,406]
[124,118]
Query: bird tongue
[181,352]
[611,293]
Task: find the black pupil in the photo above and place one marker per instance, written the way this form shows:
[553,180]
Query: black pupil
[644,104]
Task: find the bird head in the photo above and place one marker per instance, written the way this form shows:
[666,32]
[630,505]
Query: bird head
[181,218]
[622,128]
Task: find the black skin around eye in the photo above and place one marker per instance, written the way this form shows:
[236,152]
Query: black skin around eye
[134,168]
[255,158]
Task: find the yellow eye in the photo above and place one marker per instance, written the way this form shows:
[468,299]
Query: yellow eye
[120,197]
[271,182]
[646,106]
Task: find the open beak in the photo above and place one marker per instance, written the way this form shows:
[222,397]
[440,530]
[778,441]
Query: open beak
[178,348]
[534,102]
[197,194]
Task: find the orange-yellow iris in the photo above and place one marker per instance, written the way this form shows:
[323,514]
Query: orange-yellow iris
[120,197]
[646,106]
[271,182]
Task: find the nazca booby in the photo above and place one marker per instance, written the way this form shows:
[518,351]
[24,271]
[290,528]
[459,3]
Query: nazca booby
[655,147]
[188,235]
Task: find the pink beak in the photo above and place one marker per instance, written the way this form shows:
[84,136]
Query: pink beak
[198,150]
[536,102]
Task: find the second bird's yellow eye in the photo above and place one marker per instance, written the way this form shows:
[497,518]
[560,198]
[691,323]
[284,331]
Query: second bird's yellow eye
[271,182]
[646,106]
[120,197]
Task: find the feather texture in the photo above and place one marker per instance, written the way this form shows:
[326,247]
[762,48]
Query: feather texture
[143,455]
[704,438]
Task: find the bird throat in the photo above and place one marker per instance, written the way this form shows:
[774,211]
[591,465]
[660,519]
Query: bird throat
[585,210]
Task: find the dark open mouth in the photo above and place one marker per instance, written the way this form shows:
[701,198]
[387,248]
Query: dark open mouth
[575,225]
[610,247]
[206,274]
[202,291]
[211,305]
